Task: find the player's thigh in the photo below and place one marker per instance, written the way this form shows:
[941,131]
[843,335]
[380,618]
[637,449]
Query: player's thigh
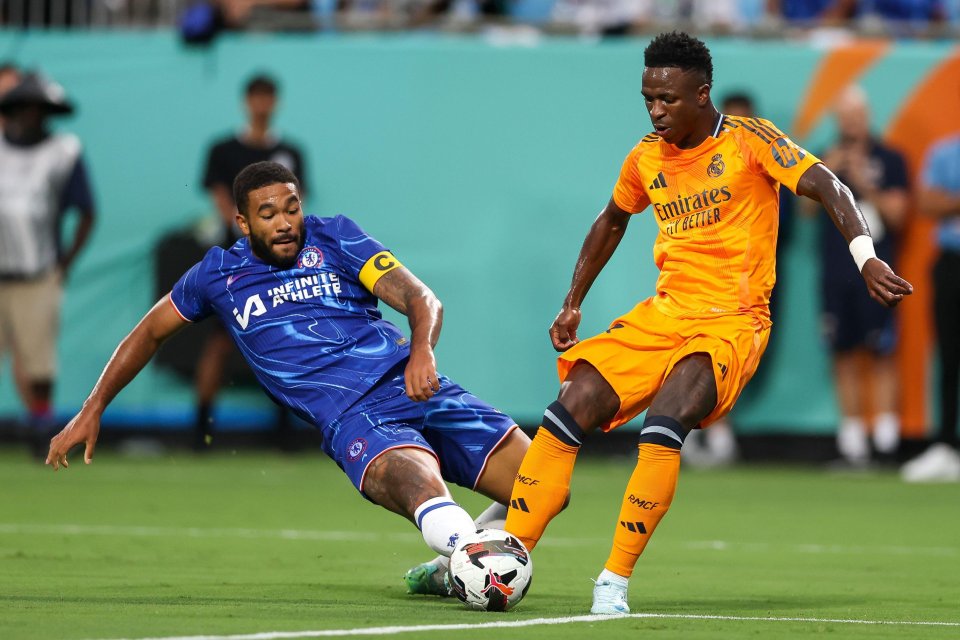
[496,479]
[609,378]
[379,444]
[689,393]
[467,433]
[589,398]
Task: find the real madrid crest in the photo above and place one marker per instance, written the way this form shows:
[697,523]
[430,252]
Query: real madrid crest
[309,258]
[715,170]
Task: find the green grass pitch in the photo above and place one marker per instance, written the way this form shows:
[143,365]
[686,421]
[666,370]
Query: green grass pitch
[224,544]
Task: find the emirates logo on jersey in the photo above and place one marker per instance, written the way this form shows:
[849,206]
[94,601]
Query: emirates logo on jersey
[716,167]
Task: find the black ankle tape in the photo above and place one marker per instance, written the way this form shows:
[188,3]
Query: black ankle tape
[664,431]
[558,421]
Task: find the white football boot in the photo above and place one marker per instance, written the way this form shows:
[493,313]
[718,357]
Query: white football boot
[609,598]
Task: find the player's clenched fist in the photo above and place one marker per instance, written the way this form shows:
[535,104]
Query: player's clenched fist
[420,377]
[563,332]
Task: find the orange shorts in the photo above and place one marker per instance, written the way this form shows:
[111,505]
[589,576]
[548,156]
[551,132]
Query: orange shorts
[640,349]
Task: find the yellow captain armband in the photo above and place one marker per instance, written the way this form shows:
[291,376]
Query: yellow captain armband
[376,267]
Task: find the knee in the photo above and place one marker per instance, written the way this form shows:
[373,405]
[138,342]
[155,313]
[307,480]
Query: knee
[691,413]
[402,479]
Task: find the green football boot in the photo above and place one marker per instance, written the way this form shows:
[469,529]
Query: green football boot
[428,579]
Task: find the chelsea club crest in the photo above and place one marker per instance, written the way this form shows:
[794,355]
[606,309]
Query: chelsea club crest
[356,449]
[715,170]
[309,258]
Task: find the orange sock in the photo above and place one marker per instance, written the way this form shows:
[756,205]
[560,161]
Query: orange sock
[541,487]
[645,502]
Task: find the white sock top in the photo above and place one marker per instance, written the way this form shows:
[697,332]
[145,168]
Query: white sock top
[615,578]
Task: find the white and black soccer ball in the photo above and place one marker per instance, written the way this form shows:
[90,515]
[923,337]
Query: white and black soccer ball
[490,570]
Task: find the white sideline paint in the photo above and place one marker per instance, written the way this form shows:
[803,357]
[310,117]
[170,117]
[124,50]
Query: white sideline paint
[412,537]
[513,624]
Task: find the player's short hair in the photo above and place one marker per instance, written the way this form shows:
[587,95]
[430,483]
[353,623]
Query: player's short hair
[681,50]
[261,83]
[256,176]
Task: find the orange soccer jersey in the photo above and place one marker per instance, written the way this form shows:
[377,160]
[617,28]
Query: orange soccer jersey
[717,209]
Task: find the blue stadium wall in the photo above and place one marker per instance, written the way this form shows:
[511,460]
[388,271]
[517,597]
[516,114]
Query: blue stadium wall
[482,166]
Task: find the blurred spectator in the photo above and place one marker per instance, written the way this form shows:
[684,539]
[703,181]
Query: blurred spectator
[42,176]
[416,13]
[939,198]
[904,10]
[9,77]
[237,13]
[226,158]
[860,333]
[812,12]
[620,17]
[900,17]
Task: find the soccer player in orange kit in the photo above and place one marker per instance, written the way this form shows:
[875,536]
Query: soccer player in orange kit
[685,354]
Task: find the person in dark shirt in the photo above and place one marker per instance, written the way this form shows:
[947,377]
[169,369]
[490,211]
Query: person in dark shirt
[257,142]
[861,335]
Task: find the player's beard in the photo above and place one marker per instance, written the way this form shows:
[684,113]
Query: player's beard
[264,251]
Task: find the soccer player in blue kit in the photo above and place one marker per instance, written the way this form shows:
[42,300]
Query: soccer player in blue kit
[299,296]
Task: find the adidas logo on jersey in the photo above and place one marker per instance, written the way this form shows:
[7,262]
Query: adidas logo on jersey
[659,183]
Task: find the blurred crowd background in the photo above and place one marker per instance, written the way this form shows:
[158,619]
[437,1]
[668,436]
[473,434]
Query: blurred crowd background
[757,18]
[477,139]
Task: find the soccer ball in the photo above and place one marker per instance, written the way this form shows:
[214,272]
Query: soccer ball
[490,570]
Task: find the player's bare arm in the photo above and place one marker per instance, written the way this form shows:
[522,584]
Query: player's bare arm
[131,356]
[601,241]
[407,294]
[820,184]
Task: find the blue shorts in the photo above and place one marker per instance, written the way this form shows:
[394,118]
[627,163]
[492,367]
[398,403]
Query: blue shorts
[851,319]
[459,429]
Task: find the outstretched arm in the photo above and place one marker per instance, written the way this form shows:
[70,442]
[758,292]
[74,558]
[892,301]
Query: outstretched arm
[884,286]
[601,241]
[404,292]
[127,361]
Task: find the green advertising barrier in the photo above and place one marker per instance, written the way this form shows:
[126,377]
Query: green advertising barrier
[481,166]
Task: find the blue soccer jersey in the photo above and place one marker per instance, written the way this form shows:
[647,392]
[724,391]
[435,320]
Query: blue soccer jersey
[312,334]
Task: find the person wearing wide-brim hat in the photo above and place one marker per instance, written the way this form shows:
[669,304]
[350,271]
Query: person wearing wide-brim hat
[42,176]
[35,89]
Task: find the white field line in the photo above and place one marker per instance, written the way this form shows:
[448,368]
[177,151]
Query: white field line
[513,624]
[412,537]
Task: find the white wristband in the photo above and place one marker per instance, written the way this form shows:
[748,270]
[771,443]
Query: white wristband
[861,248]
